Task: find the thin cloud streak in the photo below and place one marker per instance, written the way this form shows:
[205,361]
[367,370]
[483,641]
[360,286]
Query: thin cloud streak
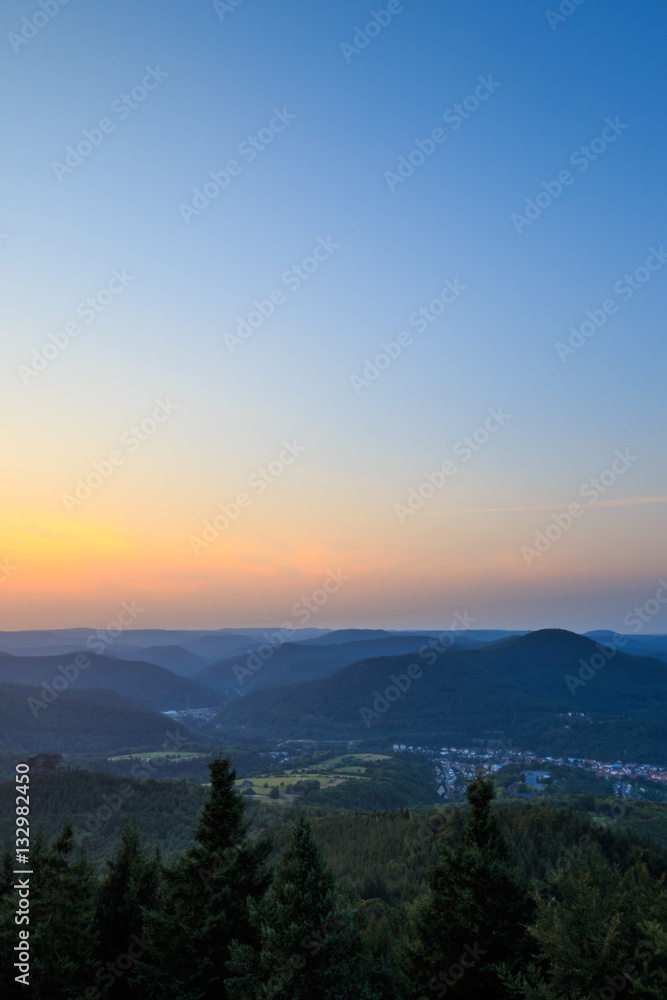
[623,502]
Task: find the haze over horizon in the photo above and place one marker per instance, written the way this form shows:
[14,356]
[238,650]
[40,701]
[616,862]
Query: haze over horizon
[225,368]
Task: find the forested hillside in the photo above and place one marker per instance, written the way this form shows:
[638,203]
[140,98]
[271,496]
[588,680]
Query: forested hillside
[90,721]
[512,902]
[152,686]
[520,689]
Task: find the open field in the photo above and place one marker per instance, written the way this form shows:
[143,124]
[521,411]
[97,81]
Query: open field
[328,773]
[158,754]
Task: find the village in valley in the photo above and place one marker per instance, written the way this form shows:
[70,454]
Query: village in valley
[455,766]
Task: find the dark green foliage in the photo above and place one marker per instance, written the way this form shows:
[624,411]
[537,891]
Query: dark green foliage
[474,917]
[143,683]
[589,930]
[63,941]
[404,778]
[87,721]
[515,688]
[519,899]
[101,805]
[311,947]
[128,889]
[204,901]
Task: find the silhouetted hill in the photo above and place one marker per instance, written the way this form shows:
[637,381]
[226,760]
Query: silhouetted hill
[338,636]
[150,685]
[92,721]
[511,688]
[174,658]
[215,647]
[638,645]
[299,661]
[618,683]
[469,637]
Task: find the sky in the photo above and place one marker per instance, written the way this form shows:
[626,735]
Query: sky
[297,292]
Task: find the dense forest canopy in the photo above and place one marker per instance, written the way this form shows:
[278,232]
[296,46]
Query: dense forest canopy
[513,900]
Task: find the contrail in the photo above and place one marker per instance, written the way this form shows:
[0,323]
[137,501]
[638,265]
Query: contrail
[623,502]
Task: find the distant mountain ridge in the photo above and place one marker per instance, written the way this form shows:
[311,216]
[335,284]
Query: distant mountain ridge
[152,686]
[300,661]
[80,721]
[502,688]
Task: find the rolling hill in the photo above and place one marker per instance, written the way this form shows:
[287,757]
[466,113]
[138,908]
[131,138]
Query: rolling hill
[512,688]
[92,721]
[472,637]
[300,661]
[638,645]
[150,685]
[174,658]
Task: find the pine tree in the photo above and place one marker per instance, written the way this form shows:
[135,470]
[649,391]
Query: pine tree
[589,933]
[204,901]
[128,889]
[62,934]
[311,948]
[474,917]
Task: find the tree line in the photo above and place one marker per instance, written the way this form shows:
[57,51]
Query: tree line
[542,910]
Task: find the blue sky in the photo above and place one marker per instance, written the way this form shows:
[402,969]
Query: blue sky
[323,177]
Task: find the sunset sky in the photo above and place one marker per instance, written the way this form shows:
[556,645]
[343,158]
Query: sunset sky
[365,196]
